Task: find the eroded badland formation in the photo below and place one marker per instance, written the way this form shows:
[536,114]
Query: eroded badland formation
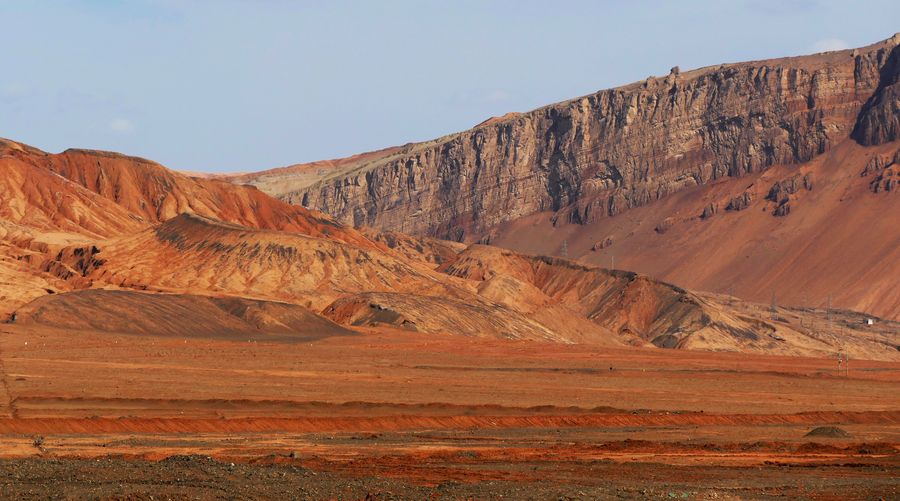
[459,310]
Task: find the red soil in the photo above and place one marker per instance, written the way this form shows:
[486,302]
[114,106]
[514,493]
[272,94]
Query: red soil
[404,422]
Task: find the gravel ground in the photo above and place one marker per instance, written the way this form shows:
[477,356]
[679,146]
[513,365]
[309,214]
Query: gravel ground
[197,477]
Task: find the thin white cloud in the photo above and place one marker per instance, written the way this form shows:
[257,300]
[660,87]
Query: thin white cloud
[830,44]
[121,126]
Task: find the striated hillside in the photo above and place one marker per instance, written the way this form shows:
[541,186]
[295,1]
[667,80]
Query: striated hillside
[102,193]
[192,253]
[479,291]
[78,197]
[642,310]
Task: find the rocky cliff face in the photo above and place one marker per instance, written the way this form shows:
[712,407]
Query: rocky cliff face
[879,121]
[621,148]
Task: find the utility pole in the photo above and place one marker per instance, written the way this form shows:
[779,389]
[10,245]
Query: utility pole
[612,261]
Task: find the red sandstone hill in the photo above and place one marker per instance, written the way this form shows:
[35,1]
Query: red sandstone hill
[103,194]
[49,201]
[95,241]
[480,291]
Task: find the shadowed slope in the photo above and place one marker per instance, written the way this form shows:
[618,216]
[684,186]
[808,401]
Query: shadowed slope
[177,315]
[623,302]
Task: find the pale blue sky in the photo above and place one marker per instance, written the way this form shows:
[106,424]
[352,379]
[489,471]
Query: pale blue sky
[231,85]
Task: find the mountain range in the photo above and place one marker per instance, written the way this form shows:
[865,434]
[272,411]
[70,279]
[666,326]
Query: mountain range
[753,206]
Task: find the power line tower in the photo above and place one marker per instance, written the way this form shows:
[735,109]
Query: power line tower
[564,252]
[843,363]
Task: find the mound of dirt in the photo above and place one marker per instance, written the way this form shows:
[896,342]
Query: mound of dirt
[828,432]
[181,315]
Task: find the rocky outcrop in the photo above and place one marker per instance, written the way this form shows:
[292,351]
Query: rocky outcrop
[783,209]
[74,262]
[709,211]
[879,163]
[886,180]
[886,170]
[879,121]
[740,202]
[602,154]
[602,244]
[664,225]
[781,192]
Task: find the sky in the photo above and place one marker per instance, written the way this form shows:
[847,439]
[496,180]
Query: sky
[241,85]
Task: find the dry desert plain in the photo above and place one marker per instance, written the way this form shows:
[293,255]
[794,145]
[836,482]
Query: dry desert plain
[393,414]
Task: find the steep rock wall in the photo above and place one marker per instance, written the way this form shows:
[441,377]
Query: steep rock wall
[621,148]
